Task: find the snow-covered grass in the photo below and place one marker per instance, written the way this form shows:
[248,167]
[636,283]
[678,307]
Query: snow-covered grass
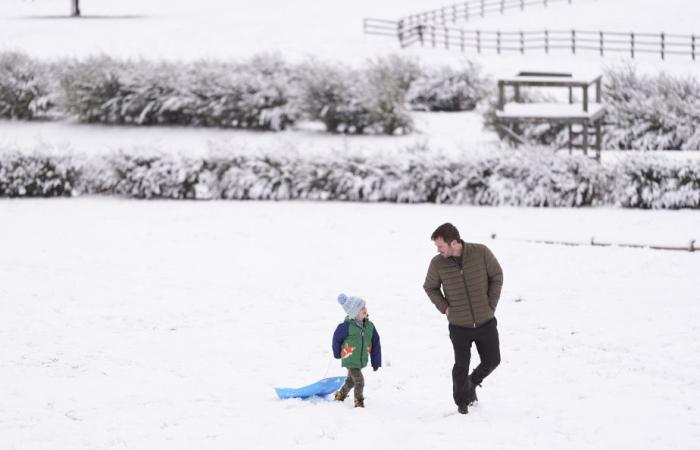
[184,29]
[451,132]
[166,325]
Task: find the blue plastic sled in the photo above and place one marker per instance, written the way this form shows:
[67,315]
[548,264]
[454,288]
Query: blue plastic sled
[320,388]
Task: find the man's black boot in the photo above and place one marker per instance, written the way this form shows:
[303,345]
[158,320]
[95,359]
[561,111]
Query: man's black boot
[471,391]
[463,409]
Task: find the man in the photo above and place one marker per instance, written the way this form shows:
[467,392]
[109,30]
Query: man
[471,280]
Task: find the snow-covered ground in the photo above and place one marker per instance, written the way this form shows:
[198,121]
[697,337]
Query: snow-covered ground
[144,325]
[451,132]
[128,324]
[185,30]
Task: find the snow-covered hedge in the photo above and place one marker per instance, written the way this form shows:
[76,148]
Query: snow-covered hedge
[520,178]
[447,89]
[255,94]
[38,175]
[24,89]
[264,92]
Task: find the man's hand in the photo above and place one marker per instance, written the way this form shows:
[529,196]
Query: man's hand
[447,310]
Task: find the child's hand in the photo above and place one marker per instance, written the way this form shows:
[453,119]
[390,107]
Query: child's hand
[375,369]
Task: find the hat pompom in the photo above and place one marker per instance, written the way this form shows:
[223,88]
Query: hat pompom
[342,298]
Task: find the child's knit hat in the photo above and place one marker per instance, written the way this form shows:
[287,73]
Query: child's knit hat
[351,305]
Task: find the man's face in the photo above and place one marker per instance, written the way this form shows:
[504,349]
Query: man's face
[446,250]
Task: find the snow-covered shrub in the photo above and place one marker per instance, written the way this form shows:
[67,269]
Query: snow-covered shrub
[253,94]
[258,93]
[37,175]
[157,176]
[24,91]
[385,84]
[332,94]
[654,182]
[447,89]
[651,112]
[356,101]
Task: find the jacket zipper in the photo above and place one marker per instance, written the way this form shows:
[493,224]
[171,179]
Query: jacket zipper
[469,299]
[362,349]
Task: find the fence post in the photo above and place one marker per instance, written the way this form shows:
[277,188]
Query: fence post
[454,13]
[522,43]
[663,45]
[503,6]
[482,8]
[632,44]
[545,3]
[478,41]
[498,42]
[573,41]
[522,5]
[546,41]
[432,34]
[601,43]
[420,35]
[466,10]
[461,39]
[443,15]
[399,31]
[692,46]
[447,38]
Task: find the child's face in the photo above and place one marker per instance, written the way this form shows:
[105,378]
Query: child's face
[362,314]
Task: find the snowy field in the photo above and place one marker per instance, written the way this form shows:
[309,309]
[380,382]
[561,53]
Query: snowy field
[451,132]
[158,324]
[186,30]
[165,325]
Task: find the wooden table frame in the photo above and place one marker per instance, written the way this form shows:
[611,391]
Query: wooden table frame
[589,115]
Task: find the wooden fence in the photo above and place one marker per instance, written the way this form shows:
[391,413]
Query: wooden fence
[469,9]
[575,41]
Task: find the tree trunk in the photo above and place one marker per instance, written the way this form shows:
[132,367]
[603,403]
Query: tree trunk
[75,8]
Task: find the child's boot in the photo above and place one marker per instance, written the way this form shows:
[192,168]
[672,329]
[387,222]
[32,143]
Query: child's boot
[359,402]
[339,396]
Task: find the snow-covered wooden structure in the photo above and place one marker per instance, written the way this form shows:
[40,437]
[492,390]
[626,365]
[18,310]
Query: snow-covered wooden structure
[584,118]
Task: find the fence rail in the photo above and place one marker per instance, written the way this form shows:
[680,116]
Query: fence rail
[472,8]
[602,42]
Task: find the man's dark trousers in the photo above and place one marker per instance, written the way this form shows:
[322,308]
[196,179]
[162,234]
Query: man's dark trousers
[486,339]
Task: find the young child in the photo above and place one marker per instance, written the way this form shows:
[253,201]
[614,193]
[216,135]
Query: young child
[354,342]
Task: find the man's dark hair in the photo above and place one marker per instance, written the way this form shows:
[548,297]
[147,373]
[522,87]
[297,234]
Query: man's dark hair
[447,232]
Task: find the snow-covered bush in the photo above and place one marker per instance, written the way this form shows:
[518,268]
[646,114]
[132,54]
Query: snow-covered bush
[356,101]
[651,112]
[253,94]
[36,175]
[24,91]
[447,89]
[655,182]
[157,176]
[331,94]
[385,84]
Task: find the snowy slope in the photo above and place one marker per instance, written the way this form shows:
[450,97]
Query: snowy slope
[185,29]
[167,324]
